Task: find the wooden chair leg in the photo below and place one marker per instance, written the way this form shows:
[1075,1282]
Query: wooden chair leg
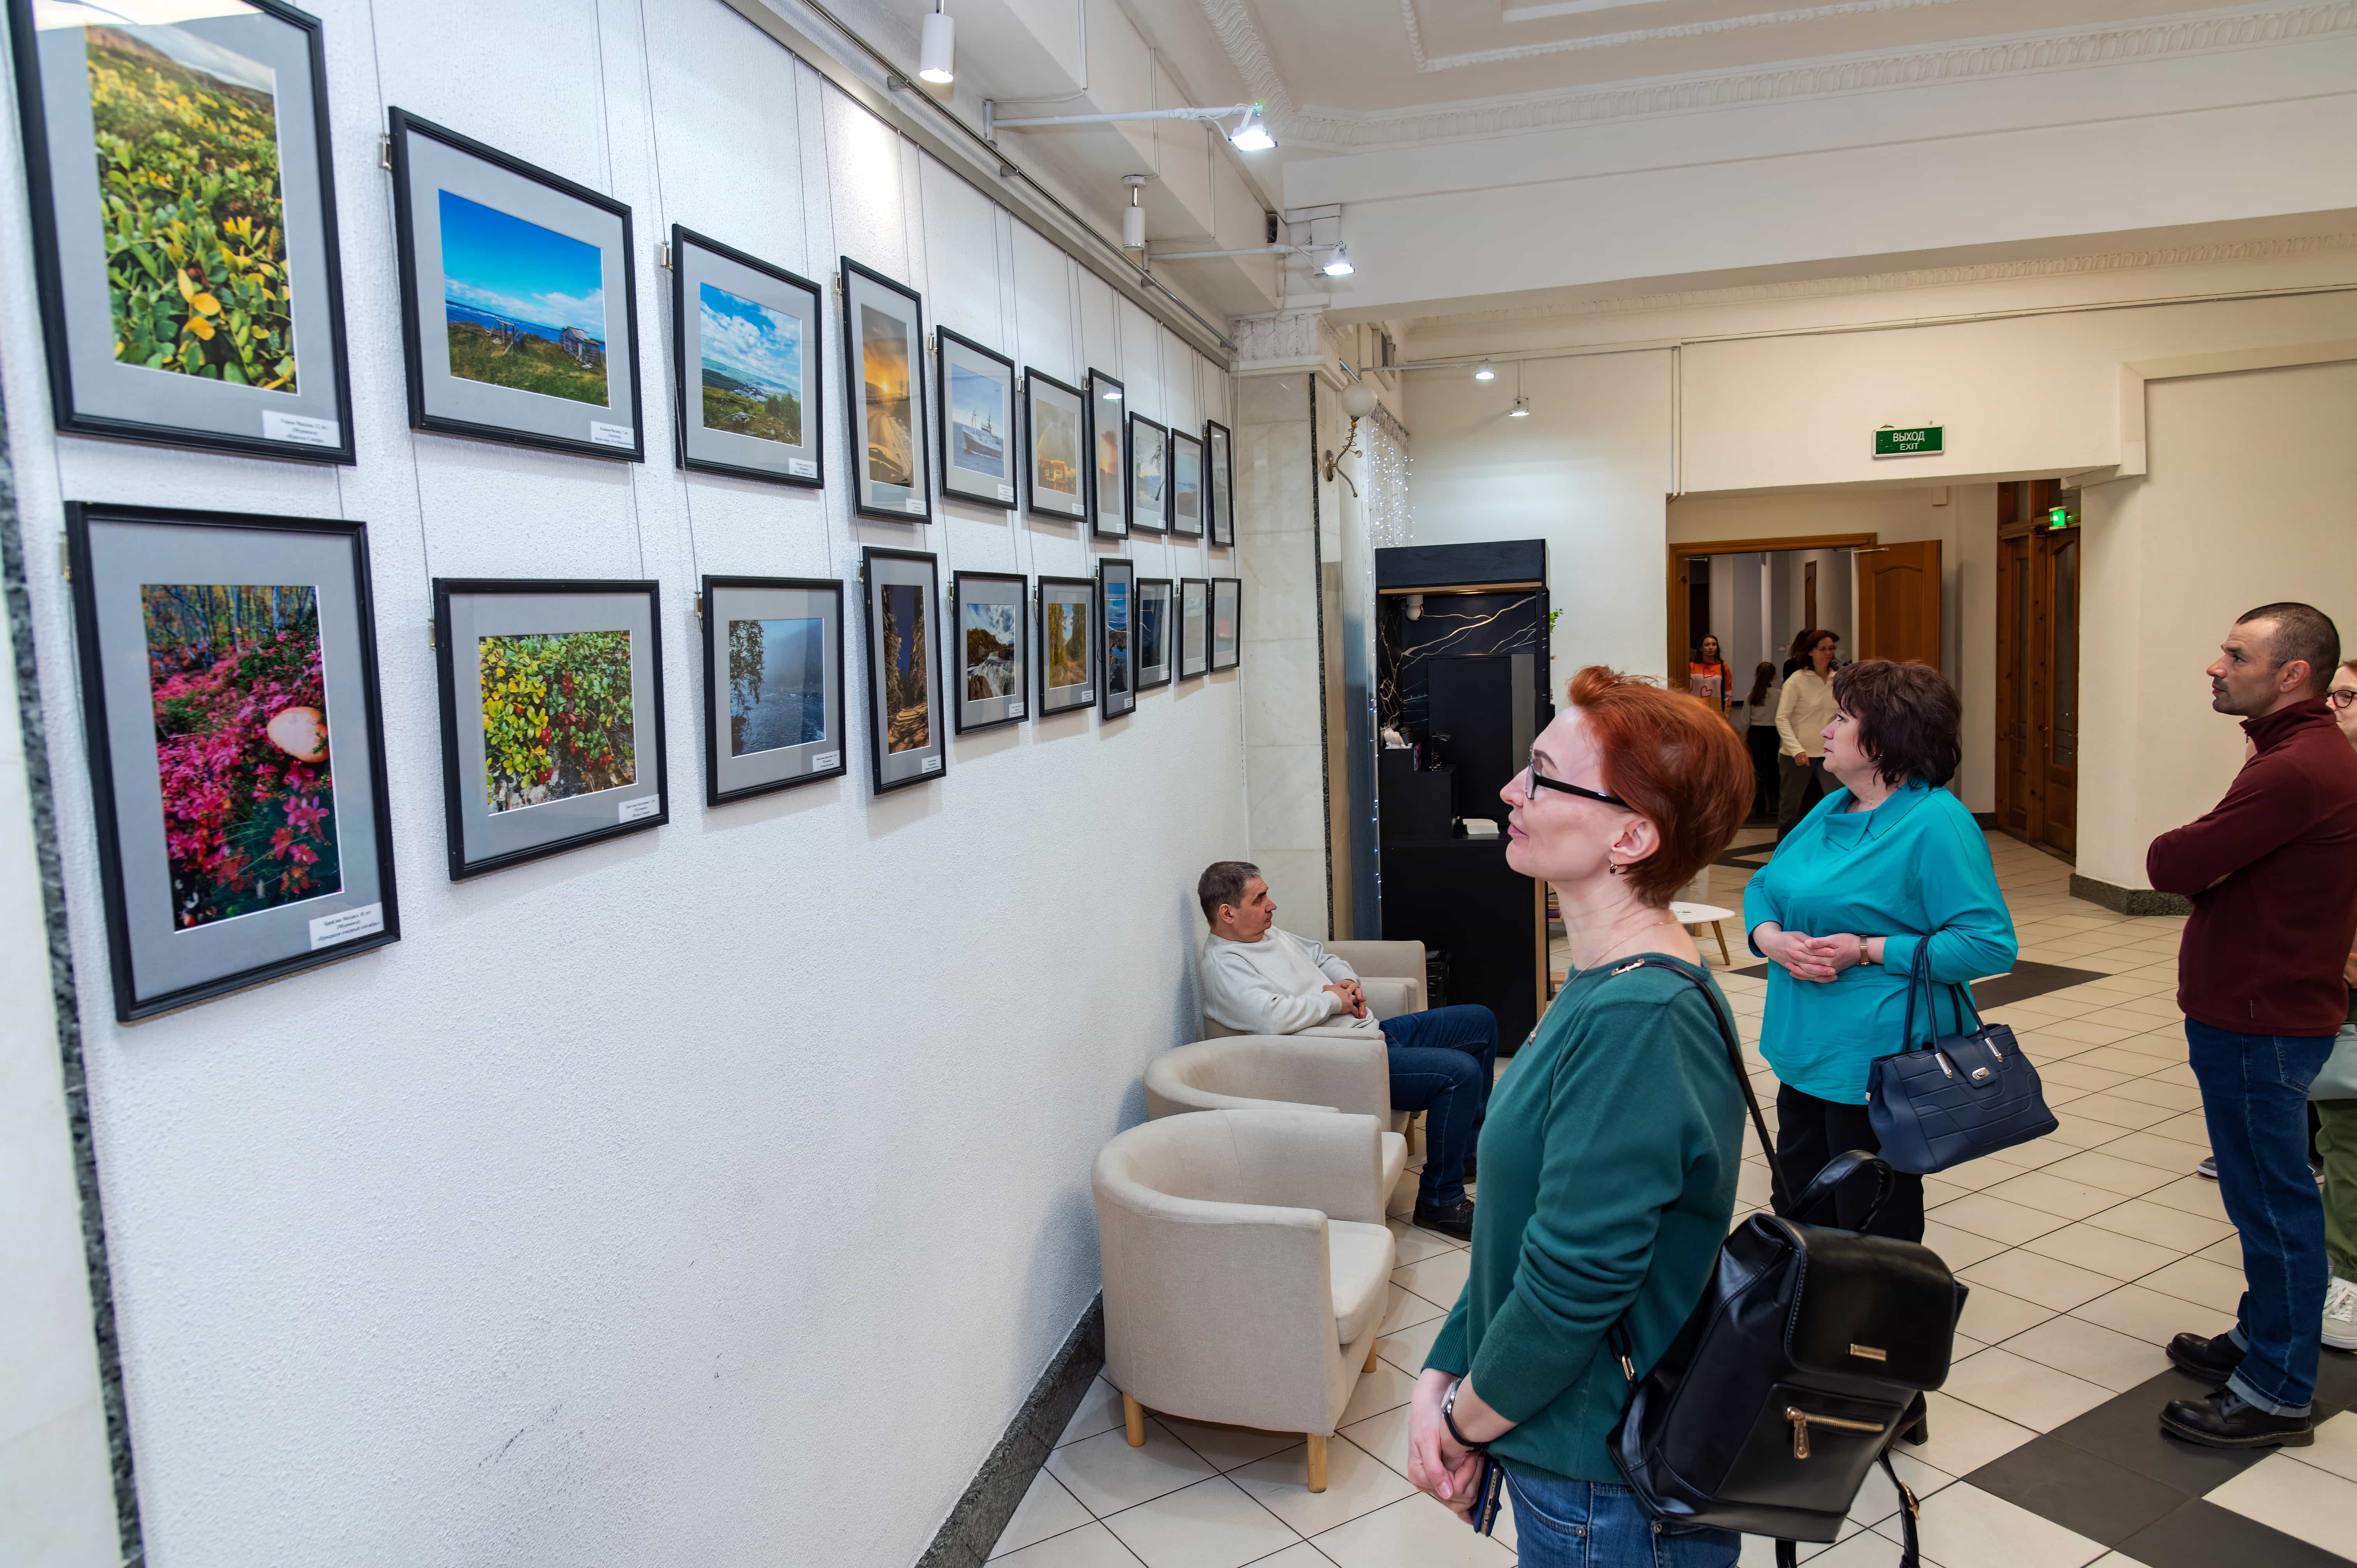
[1719,930]
[1133,1421]
[1317,1463]
[1371,1356]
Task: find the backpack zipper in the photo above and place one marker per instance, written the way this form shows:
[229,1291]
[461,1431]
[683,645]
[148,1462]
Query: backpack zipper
[1801,1419]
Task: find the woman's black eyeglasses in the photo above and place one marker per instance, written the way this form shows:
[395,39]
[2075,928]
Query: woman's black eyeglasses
[2342,696]
[1544,782]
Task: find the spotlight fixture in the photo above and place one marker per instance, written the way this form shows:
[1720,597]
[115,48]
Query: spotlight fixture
[1485,371]
[1521,409]
[1133,217]
[1337,264]
[937,50]
[1251,135]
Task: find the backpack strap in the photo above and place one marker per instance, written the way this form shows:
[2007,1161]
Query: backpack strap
[1788,1553]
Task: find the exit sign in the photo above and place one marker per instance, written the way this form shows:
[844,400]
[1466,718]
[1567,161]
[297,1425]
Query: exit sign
[1918,441]
[2059,517]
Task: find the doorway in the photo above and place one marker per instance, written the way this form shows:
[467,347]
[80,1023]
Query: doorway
[2039,562]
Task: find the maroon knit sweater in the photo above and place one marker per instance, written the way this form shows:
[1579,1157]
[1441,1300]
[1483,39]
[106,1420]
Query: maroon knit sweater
[2272,871]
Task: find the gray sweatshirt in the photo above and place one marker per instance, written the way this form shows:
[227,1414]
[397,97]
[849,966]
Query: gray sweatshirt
[1276,986]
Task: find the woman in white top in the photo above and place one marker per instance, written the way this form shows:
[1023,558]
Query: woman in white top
[1802,715]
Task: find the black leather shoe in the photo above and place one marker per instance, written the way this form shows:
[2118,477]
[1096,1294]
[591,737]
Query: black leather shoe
[1456,1219]
[2213,1358]
[2223,1419]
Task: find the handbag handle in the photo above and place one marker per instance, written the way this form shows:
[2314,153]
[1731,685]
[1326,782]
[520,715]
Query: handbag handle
[1919,976]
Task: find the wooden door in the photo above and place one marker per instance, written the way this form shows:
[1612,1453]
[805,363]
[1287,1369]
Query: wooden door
[1899,602]
[2038,668]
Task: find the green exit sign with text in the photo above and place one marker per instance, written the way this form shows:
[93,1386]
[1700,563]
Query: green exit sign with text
[1918,441]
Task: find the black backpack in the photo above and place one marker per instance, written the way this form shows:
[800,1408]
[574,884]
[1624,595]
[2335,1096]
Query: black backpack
[1802,1362]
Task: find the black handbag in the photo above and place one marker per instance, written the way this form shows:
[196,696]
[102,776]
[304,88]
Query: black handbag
[1802,1363]
[1963,1096]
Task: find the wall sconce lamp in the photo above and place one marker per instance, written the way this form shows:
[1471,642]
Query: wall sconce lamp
[1358,402]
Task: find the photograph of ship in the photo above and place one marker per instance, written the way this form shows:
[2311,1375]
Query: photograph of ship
[1116,615]
[977,417]
[752,364]
[1056,449]
[525,306]
[989,651]
[777,691]
[906,706]
[1068,643]
[884,382]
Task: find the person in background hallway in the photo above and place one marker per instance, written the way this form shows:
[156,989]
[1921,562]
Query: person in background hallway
[1758,728]
[1802,642]
[2336,1134]
[1707,676]
[1609,1166]
[2272,871]
[1886,864]
[1802,715]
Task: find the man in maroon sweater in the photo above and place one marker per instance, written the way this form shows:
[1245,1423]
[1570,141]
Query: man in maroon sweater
[2272,872]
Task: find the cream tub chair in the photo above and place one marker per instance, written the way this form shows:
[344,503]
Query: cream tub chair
[1245,1269]
[1282,1073]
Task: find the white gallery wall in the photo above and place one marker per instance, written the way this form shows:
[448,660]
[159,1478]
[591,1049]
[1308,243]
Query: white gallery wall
[713,1195]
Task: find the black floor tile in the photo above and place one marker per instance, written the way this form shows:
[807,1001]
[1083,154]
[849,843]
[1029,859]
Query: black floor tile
[2204,1535]
[2125,1431]
[2078,1490]
[2335,1383]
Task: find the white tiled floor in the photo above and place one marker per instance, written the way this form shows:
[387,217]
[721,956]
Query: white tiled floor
[2086,1252]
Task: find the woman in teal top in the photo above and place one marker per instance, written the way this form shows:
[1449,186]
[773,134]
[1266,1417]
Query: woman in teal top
[1886,864]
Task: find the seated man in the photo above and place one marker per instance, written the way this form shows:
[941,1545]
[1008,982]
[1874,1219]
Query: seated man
[1267,982]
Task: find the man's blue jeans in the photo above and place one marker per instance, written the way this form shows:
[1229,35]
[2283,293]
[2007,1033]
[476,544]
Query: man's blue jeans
[2254,1097]
[1561,1523]
[1442,1062]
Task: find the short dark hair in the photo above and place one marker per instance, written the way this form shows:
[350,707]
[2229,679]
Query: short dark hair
[2302,631]
[1222,882]
[1805,644]
[1909,720]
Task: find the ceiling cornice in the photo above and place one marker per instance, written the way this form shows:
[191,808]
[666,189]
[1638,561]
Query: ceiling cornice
[1644,35]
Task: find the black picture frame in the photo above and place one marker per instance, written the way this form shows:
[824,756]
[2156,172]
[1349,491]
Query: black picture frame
[955,482]
[1158,632]
[118,402]
[827,755]
[1186,496]
[112,641]
[444,403]
[1219,484]
[704,448]
[1001,590]
[1105,420]
[870,495]
[461,606]
[1228,600]
[1040,388]
[880,570]
[1116,634]
[1194,630]
[1077,597]
[1149,474]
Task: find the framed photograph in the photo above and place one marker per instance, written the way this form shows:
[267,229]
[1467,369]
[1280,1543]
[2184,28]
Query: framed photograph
[1194,627]
[184,224]
[773,713]
[1227,622]
[1186,485]
[1108,458]
[1054,416]
[1155,631]
[1067,613]
[1219,484]
[993,616]
[905,721]
[1117,634]
[745,350]
[1149,474]
[229,686]
[552,715]
[518,291]
[975,390]
[883,353]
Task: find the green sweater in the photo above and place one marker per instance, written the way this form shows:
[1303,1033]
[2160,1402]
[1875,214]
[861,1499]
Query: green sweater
[1607,1180]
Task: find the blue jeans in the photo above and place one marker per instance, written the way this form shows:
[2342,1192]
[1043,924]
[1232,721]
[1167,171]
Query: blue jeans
[2254,1097]
[1442,1061]
[1586,1524]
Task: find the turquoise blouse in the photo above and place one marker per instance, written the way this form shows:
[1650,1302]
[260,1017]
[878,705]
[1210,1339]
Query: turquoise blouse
[1912,870]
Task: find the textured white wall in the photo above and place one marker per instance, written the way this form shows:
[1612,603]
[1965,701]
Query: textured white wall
[713,1194]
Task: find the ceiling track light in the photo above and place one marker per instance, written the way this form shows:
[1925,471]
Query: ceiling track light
[1133,217]
[937,50]
[1521,409]
[1485,371]
[1251,135]
[1337,262]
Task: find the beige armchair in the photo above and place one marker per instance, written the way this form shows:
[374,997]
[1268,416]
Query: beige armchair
[1283,1072]
[1244,1269]
[1392,974]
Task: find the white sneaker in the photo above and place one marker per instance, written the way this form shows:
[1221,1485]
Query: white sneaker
[2340,1315]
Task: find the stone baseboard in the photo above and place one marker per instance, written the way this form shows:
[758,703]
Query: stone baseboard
[2128,900]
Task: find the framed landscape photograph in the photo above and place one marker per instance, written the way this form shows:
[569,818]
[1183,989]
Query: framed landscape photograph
[1149,474]
[993,632]
[1219,484]
[518,291]
[773,713]
[1117,634]
[976,418]
[1227,622]
[905,718]
[1157,622]
[552,715]
[1055,416]
[1104,430]
[883,353]
[184,224]
[745,354]
[1186,485]
[1067,613]
[228,683]
[1194,627]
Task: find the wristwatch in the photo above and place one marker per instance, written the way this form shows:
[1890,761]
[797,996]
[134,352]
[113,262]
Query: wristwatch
[1448,1417]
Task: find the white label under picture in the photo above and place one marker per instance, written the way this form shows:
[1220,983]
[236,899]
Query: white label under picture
[1013,710]
[826,759]
[606,435]
[1088,694]
[344,925]
[931,765]
[912,504]
[1007,492]
[802,467]
[302,432]
[645,806]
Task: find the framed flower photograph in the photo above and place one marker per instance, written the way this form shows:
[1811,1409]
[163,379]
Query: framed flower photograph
[1055,475]
[883,355]
[229,682]
[1227,622]
[1186,485]
[552,715]
[906,722]
[1117,634]
[975,389]
[773,685]
[519,295]
[1156,627]
[1219,484]
[184,224]
[1104,431]
[745,357]
[1067,613]
[992,621]
[1194,627]
[1149,474]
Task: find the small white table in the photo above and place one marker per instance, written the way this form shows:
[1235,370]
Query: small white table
[1693,915]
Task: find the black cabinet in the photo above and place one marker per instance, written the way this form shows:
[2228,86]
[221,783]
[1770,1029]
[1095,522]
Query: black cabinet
[1458,896]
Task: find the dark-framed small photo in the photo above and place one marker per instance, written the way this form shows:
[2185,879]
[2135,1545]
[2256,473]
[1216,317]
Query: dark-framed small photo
[975,390]
[1068,615]
[1194,627]
[184,224]
[1219,484]
[773,685]
[1149,474]
[1055,476]
[1186,485]
[1227,622]
[744,345]
[519,298]
[229,683]
[1156,625]
[1107,433]
[883,360]
[991,623]
[906,723]
[552,715]
[1117,634]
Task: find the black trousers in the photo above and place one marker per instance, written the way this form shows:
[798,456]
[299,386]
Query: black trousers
[1801,788]
[1808,1133]
[1762,740]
